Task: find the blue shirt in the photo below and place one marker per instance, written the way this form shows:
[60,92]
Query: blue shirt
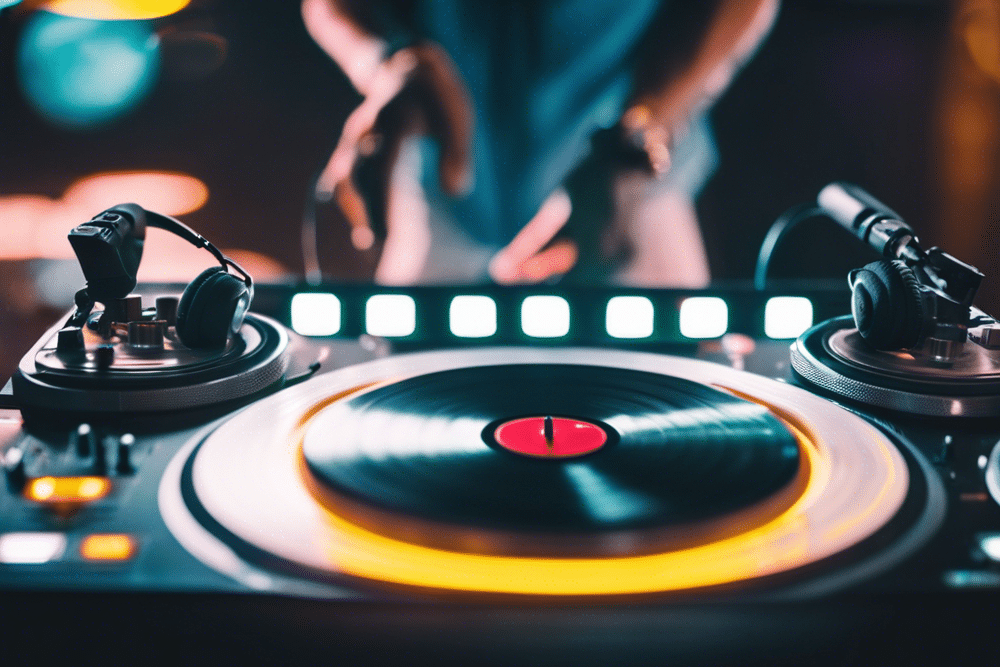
[543,77]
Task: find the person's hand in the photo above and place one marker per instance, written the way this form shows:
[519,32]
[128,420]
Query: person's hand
[417,90]
[533,256]
[577,229]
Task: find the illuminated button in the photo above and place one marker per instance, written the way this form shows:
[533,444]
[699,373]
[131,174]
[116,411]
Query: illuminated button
[473,316]
[545,316]
[67,489]
[31,548]
[550,437]
[315,314]
[390,315]
[629,317]
[107,547]
[787,316]
[704,317]
[989,543]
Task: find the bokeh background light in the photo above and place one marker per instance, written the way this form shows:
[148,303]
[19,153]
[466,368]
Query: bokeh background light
[36,226]
[81,72]
[107,10]
[166,192]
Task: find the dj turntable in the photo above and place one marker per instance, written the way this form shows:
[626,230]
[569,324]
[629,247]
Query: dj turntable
[541,474]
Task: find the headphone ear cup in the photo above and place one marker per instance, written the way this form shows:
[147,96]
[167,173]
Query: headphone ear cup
[211,308]
[886,305]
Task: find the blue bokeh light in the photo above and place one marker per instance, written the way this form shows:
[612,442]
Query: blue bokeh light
[82,73]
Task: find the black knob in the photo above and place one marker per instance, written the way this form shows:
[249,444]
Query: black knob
[13,467]
[100,457]
[70,340]
[85,440]
[132,306]
[125,444]
[166,309]
[146,334]
[104,356]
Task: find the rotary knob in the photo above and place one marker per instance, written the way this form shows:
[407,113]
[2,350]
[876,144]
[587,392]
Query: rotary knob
[70,339]
[127,309]
[84,438]
[166,309]
[124,464]
[14,469]
[146,334]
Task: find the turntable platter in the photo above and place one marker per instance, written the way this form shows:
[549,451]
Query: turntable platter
[834,358]
[251,486]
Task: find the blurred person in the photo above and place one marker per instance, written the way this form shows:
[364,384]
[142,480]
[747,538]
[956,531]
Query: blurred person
[565,137]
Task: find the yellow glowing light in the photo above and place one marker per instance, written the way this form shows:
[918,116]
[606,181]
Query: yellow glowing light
[108,10]
[162,191]
[67,489]
[42,489]
[769,546]
[107,547]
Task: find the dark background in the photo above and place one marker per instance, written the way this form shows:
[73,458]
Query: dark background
[841,91]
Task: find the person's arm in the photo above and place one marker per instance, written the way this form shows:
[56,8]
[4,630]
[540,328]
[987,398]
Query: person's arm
[409,85]
[687,59]
[668,95]
[358,51]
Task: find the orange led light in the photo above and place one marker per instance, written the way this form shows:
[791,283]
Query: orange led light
[67,489]
[107,547]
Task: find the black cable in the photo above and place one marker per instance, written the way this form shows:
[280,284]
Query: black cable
[309,239]
[776,234]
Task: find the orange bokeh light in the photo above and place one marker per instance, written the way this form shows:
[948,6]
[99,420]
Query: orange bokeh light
[166,192]
[109,10]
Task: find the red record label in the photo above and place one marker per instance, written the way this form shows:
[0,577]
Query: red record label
[550,437]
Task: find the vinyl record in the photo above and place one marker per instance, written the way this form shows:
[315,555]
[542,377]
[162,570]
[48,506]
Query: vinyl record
[548,459]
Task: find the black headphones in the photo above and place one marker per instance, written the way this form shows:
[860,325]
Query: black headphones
[888,305]
[109,248]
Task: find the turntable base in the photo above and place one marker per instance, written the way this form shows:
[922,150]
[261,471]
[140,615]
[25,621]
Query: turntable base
[242,500]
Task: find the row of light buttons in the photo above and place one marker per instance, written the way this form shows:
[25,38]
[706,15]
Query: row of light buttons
[542,316]
[34,548]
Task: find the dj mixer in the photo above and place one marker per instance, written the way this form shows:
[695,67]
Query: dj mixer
[488,474]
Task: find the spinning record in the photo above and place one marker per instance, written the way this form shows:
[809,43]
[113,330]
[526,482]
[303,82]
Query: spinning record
[549,459]
[441,472]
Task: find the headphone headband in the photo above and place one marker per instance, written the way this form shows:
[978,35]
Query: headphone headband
[178,228]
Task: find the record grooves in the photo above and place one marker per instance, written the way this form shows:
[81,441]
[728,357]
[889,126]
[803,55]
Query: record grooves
[417,460]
